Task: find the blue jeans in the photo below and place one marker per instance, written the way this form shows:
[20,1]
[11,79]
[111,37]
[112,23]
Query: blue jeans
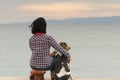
[48,68]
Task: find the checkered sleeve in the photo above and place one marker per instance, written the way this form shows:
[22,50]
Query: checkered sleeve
[56,46]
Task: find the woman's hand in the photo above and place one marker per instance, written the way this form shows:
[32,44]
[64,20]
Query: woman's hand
[53,53]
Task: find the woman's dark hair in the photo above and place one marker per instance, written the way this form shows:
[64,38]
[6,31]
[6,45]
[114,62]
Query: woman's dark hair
[38,25]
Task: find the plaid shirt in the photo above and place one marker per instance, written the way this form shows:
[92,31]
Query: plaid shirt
[40,47]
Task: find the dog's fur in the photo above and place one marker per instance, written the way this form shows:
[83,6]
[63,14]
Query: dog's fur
[62,64]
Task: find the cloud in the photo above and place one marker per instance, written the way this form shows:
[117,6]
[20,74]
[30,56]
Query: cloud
[58,10]
[57,7]
[74,9]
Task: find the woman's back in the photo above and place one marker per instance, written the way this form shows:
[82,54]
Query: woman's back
[39,44]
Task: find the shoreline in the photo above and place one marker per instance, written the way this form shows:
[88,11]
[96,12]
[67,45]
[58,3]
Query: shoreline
[25,78]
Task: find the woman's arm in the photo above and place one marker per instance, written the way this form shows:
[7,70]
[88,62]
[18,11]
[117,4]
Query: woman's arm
[57,47]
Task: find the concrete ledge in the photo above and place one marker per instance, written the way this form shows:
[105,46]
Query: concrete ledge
[23,78]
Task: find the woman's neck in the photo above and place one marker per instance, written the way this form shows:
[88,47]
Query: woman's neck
[38,33]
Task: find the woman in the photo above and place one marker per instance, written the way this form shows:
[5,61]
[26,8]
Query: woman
[40,44]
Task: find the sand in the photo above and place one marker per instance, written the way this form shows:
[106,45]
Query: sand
[23,78]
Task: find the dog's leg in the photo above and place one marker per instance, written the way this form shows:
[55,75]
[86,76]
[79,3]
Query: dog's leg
[31,77]
[70,77]
[52,74]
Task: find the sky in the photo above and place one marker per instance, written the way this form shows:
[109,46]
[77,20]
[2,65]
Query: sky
[27,10]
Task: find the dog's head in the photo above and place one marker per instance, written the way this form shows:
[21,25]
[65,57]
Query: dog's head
[65,46]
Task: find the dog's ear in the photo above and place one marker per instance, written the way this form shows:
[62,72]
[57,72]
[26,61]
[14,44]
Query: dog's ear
[63,44]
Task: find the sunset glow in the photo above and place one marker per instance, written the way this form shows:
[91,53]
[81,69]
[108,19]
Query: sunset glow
[60,10]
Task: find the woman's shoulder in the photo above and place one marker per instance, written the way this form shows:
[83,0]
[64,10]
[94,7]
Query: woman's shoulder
[44,36]
[32,38]
[49,36]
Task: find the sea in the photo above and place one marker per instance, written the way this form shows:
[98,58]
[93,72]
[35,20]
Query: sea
[95,48]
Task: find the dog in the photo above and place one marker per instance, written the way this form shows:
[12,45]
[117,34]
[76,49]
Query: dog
[62,64]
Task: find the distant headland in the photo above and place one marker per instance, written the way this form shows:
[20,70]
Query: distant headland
[90,20]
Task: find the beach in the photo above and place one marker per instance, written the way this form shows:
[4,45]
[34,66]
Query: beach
[24,78]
